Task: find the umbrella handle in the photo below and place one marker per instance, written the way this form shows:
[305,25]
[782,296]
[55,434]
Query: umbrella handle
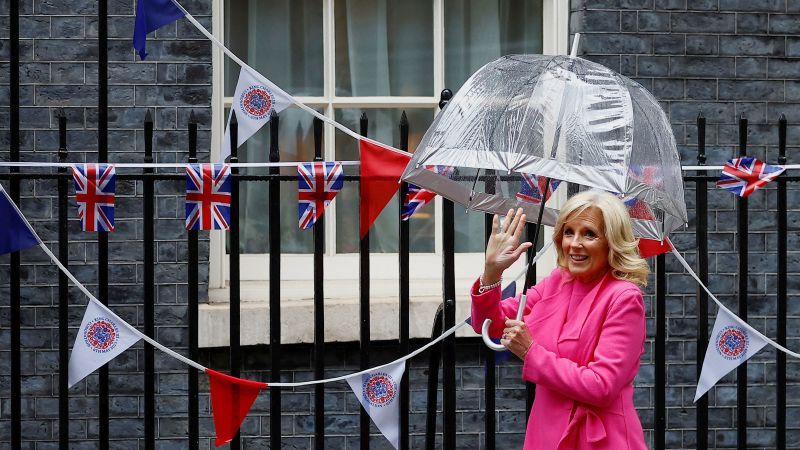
[488,322]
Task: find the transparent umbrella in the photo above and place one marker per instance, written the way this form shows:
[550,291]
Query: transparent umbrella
[557,117]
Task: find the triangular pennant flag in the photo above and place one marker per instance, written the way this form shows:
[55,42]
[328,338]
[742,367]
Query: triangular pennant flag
[15,235]
[745,175]
[95,189]
[417,197]
[101,337]
[231,399]
[532,187]
[150,16]
[254,103]
[653,247]
[379,394]
[730,344]
[510,290]
[317,186]
[381,168]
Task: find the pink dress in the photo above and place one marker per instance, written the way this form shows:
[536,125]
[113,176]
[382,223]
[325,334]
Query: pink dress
[585,355]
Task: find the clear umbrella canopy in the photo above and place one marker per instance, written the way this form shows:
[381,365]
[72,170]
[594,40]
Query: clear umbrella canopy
[553,116]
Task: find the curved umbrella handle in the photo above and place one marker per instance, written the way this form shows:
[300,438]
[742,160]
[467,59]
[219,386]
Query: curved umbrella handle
[488,322]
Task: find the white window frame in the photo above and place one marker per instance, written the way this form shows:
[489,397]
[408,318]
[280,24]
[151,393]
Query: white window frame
[343,267]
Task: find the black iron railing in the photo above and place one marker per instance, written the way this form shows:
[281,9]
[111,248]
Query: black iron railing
[444,319]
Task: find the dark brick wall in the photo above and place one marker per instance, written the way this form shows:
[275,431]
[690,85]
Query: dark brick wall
[59,54]
[728,59]
[724,57]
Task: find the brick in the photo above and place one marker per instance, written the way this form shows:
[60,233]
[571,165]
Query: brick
[669,44]
[752,23]
[751,90]
[751,67]
[668,88]
[654,21]
[702,45]
[784,23]
[694,66]
[616,43]
[653,66]
[792,46]
[703,22]
[67,27]
[752,45]
[34,27]
[592,20]
[65,50]
[783,68]
[701,89]
[752,5]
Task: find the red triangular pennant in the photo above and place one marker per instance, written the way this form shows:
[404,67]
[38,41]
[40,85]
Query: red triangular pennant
[653,247]
[231,399]
[381,168]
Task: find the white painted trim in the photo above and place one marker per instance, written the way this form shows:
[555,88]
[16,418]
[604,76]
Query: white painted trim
[555,27]
[217,274]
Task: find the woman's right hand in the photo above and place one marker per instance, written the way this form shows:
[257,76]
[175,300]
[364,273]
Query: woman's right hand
[504,248]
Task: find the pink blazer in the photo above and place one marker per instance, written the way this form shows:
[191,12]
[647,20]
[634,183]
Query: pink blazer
[583,368]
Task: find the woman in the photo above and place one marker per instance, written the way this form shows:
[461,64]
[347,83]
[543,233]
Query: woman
[584,326]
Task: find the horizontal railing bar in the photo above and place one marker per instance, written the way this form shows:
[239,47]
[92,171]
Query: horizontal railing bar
[356,178]
[153,176]
[171,165]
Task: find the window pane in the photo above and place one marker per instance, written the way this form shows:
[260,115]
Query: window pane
[296,143]
[383,127]
[384,47]
[480,31]
[282,39]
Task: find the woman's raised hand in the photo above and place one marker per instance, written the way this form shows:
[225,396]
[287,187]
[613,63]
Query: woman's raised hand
[504,247]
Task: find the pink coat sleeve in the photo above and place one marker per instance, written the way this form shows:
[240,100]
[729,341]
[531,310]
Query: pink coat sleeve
[489,305]
[615,360]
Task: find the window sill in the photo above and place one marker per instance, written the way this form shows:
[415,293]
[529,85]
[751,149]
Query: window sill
[341,311]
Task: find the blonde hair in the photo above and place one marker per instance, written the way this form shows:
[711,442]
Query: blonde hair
[623,247]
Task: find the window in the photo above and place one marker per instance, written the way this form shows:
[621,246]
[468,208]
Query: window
[348,57]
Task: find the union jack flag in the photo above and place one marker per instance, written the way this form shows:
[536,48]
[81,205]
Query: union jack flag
[95,185]
[744,175]
[532,187]
[317,185]
[418,197]
[208,196]
[649,175]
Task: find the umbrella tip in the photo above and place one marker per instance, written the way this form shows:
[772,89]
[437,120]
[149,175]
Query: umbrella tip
[444,97]
[575,42]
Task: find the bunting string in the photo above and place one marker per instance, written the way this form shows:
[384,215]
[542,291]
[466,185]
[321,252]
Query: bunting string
[172,165]
[721,306]
[197,365]
[35,164]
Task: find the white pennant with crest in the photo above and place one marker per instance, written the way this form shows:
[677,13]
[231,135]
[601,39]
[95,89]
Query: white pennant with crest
[379,394]
[254,103]
[730,344]
[101,337]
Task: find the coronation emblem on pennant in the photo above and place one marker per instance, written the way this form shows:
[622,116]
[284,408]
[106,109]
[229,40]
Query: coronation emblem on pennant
[732,342]
[379,389]
[256,101]
[101,335]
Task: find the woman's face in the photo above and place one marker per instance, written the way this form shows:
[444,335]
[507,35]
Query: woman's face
[585,245]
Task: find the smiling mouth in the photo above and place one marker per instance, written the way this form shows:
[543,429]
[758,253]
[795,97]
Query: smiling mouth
[578,258]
